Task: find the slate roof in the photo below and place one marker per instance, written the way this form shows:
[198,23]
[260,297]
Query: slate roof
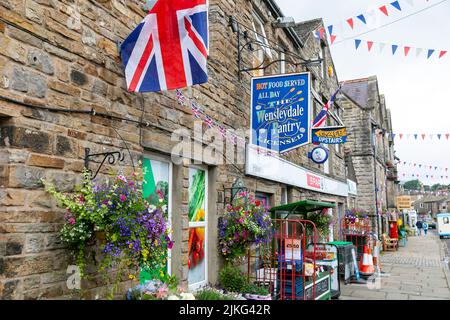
[304,29]
[357,90]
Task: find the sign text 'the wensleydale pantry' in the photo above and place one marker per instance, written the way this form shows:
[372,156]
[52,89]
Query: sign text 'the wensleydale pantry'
[281,113]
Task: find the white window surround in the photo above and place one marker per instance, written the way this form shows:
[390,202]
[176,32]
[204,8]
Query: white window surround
[157,157]
[202,224]
[260,35]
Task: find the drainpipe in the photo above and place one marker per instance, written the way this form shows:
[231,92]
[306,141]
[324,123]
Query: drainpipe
[378,223]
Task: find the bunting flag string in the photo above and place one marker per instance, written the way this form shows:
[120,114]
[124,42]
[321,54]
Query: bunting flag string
[199,113]
[416,136]
[371,17]
[423,166]
[406,49]
[386,10]
[428,176]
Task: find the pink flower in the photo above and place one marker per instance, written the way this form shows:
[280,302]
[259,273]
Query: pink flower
[121,177]
[122,198]
[72,221]
[160,194]
[241,220]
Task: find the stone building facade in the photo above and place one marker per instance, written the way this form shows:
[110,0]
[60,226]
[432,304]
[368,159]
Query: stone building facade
[62,90]
[370,145]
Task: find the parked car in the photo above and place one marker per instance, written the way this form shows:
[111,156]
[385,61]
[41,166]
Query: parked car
[431,223]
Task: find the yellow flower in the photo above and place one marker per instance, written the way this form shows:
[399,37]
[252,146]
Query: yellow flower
[130,245]
[132,276]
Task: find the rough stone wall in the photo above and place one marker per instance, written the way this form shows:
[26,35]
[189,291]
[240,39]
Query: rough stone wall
[57,55]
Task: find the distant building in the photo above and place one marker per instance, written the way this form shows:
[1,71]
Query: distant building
[370,145]
[432,205]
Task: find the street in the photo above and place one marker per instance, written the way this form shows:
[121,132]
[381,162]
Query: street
[419,271]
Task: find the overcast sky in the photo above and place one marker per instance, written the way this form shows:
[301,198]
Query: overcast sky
[417,90]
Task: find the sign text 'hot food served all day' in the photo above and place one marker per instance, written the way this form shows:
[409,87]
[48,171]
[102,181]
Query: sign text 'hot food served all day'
[281,113]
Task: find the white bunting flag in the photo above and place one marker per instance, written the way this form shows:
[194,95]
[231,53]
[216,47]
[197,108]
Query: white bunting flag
[410,2]
[371,17]
[419,51]
[382,45]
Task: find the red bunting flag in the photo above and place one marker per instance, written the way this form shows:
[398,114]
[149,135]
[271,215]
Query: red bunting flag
[407,50]
[384,10]
[423,136]
[332,38]
[350,22]
[369,45]
[442,53]
[401,136]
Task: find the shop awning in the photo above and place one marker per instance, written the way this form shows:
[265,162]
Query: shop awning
[302,207]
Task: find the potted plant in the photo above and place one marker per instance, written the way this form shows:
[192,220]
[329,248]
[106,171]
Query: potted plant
[243,224]
[255,292]
[131,232]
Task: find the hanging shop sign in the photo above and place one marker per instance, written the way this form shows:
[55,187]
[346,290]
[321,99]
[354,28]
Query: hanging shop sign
[318,155]
[330,135]
[281,111]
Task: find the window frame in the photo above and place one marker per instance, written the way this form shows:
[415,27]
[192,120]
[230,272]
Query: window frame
[156,157]
[201,224]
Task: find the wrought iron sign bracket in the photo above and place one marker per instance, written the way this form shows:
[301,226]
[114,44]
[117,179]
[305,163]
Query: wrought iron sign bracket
[112,158]
[245,43]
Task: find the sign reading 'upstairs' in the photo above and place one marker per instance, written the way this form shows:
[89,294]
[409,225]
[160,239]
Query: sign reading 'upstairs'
[281,113]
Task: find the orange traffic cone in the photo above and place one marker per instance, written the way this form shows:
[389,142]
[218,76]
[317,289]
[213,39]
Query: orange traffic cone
[367,268]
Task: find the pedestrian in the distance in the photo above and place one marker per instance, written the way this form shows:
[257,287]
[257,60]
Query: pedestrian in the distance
[419,227]
[425,228]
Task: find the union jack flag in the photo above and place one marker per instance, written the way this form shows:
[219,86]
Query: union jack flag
[196,111]
[323,114]
[169,48]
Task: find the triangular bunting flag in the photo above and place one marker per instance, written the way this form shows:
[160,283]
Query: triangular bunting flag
[419,51]
[362,18]
[439,136]
[357,43]
[401,136]
[332,38]
[330,29]
[408,135]
[407,50]
[369,45]
[350,22]
[382,45]
[384,10]
[423,136]
[321,32]
[447,135]
[396,5]
[442,53]
[430,53]
[415,136]
[410,2]
[394,48]
[393,136]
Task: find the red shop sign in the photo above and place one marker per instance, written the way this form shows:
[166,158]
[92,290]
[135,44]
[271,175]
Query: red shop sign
[313,181]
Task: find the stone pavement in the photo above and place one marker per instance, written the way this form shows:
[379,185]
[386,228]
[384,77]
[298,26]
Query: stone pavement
[416,272]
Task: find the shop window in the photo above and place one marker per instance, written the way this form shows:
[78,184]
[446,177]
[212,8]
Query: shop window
[264,198]
[198,215]
[157,185]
